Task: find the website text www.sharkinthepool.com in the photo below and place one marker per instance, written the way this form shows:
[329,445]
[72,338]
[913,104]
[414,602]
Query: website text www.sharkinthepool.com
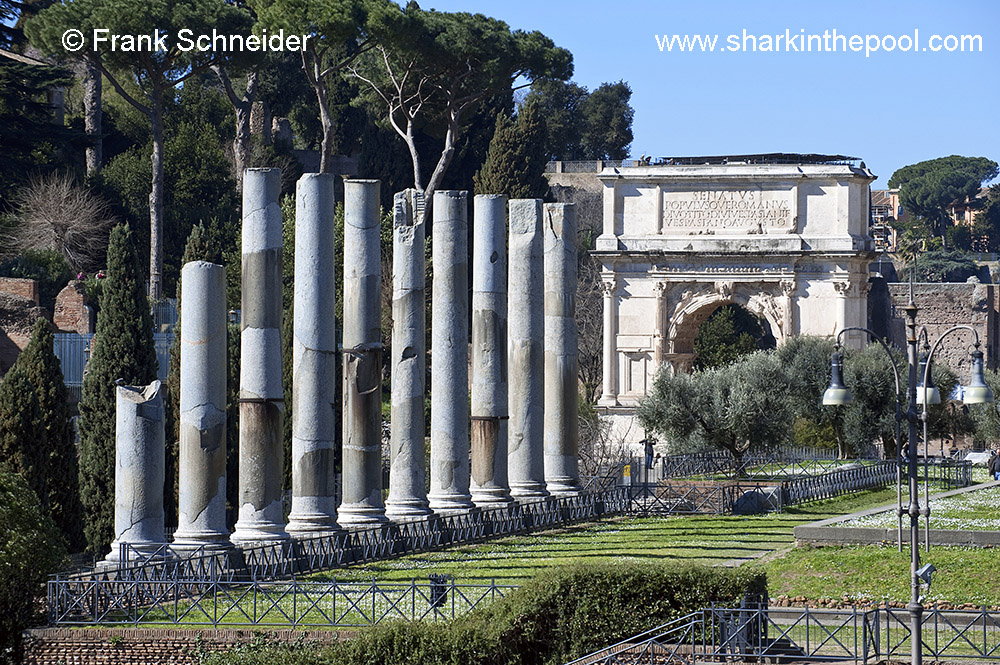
[829,41]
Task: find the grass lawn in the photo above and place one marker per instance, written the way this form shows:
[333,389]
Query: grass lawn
[862,574]
[855,575]
[711,540]
[976,511]
[865,574]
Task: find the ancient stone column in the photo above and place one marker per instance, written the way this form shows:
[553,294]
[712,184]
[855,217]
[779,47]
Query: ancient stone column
[525,351]
[407,494]
[362,459]
[139,462]
[204,371]
[609,390]
[450,354]
[562,375]
[788,326]
[314,358]
[660,290]
[261,514]
[489,351]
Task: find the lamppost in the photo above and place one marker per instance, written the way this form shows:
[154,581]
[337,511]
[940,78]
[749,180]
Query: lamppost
[977,392]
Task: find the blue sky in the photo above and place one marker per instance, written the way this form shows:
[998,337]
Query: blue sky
[890,109]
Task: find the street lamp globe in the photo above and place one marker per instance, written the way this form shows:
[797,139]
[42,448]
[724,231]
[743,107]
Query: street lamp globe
[837,394]
[977,392]
[931,392]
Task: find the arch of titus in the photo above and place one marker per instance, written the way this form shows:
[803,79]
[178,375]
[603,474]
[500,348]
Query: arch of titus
[784,236]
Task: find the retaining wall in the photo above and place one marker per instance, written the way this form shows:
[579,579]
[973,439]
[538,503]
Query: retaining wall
[832,531]
[147,646]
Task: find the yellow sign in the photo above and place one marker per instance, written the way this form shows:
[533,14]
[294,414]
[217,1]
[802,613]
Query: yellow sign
[627,470]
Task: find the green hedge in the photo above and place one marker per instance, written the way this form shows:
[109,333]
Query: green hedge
[556,617]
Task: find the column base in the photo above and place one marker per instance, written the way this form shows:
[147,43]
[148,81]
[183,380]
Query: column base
[257,526]
[565,486]
[532,491]
[144,550]
[197,542]
[450,503]
[360,514]
[312,516]
[304,527]
[607,401]
[565,491]
[406,509]
[262,534]
[492,497]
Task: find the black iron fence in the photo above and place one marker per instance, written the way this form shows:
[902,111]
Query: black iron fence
[147,576]
[841,481]
[768,464]
[807,635]
[287,603]
[950,473]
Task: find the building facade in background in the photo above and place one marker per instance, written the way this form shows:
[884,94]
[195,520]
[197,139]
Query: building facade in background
[785,236]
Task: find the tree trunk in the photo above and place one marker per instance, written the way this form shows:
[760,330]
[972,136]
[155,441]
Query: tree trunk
[326,121]
[156,200]
[267,119]
[92,117]
[242,142]
[411,145]
[447,153]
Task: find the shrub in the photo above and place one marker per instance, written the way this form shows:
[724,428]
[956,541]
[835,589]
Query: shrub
[30,549]
[945,266]
[58,215]
[559,615]
[36,438]
[45,265]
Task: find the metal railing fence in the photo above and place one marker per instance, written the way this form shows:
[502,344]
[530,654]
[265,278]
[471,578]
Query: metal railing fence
[288,603]
[795,461]
[263,564]
[838,482]
[761,634]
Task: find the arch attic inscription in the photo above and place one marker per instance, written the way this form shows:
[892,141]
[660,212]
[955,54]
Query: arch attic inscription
[732,211]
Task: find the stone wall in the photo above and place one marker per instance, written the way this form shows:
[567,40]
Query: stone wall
[941,306]
[586,191]
[17,318]
[141,646]
[26,288]
[71,313]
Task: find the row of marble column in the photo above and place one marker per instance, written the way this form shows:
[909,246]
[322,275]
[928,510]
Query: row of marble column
[508,434]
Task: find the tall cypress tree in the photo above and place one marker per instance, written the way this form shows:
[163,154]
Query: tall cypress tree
[122,348]
[58,451]
[515,162]
[22,432]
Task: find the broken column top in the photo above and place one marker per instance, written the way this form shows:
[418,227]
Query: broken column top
[140,394]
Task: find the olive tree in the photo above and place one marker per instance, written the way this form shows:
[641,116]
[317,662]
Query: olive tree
[740,408]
